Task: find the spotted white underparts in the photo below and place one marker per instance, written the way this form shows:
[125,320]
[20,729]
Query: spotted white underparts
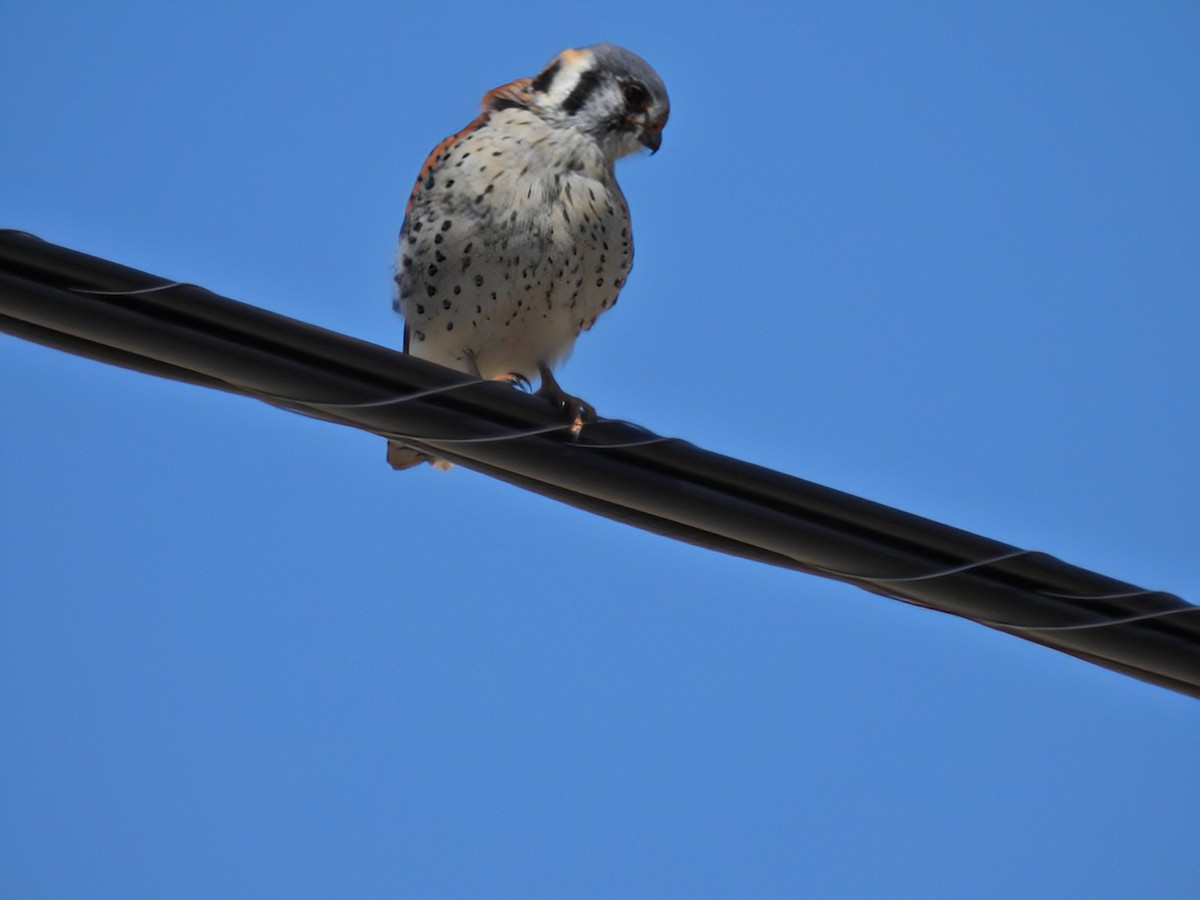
[517,235]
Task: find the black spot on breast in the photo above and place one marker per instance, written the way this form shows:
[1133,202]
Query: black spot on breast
[478,281]
[446,225]
[446,303]
[430,289]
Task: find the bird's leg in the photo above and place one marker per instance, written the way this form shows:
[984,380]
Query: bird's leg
[580,411]
[469,358]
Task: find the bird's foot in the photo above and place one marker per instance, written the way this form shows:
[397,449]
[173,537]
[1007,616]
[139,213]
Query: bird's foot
[579,411]
[516,379]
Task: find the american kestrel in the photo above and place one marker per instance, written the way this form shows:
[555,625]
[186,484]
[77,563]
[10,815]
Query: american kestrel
[516,236]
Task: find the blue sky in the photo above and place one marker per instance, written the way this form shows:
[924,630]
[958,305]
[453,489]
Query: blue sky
[943,256]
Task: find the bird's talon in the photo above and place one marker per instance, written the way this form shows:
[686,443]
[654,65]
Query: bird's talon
[578,411]
[516,379]
[584,414]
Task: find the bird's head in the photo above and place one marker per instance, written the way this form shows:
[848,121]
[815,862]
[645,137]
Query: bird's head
[608,93]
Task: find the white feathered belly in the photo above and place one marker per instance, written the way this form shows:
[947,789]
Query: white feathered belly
[507,282]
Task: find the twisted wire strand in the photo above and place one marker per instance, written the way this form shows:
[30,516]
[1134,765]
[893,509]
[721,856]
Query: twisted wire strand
[129,292]
[1108,623]
[284,402]
[1014,626]
[395,399]
[1127,595]
[1017,626]
[929,576]
[480,439]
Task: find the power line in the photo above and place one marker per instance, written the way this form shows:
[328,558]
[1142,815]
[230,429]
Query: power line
[101,310]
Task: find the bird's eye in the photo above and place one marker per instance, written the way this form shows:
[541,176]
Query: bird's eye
[637,97]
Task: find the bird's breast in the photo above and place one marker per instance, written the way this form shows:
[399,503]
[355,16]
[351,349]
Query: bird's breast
[515,243]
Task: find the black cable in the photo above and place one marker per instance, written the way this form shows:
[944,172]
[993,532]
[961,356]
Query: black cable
[114,314]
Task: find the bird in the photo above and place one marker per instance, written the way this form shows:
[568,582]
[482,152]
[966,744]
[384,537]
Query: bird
[516,235]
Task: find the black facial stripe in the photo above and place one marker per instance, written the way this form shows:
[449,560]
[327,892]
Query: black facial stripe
[505,103]
[542,82]
[588,82]
[619,123]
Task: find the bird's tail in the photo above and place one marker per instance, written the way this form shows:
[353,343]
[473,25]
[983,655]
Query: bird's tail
[401,456]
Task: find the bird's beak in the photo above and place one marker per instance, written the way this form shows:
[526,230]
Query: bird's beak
[651,136]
